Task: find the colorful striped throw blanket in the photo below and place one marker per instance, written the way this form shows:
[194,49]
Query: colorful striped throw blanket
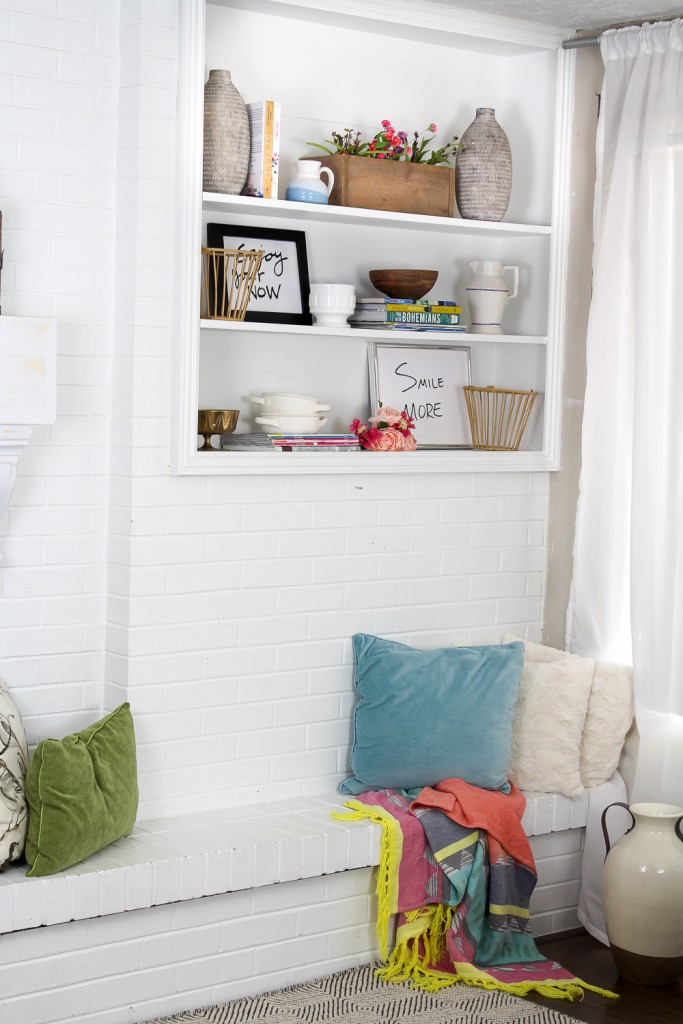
[457,869]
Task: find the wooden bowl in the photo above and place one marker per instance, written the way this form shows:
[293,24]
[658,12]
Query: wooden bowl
[403,284]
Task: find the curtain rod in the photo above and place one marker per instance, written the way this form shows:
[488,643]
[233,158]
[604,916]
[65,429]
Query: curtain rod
[573,44]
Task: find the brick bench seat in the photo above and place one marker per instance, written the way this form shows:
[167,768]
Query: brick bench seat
[170,859]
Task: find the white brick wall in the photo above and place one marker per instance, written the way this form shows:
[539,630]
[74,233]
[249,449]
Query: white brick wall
[222,608]
[58,138]
[134,966]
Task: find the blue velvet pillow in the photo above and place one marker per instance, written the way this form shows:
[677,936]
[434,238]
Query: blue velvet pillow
[426,716]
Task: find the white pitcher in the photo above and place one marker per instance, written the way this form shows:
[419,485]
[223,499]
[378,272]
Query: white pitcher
[306,185]
[488,295]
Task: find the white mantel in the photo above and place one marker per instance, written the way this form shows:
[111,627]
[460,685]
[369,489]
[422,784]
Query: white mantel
[28,389]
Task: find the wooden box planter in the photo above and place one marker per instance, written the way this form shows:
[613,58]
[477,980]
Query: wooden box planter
[371,184]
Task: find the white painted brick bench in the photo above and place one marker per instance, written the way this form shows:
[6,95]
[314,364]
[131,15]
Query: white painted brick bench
[200,908]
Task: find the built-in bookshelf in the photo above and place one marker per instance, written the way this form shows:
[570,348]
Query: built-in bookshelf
[458,61]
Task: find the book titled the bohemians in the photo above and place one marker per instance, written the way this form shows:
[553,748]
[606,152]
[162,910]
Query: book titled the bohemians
[428,317]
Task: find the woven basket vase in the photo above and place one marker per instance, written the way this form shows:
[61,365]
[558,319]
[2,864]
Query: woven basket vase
[227,137]
[483,181]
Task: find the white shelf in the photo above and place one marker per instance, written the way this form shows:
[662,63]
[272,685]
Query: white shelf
[220,463]
[396,336]
[302,212]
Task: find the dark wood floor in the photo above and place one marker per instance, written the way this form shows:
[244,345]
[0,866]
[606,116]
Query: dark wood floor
[592,962]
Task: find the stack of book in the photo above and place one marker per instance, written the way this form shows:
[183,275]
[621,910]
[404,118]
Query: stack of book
[246,442]
[315,442]
[289,442]
[406,314]
[368,313]
[264,154]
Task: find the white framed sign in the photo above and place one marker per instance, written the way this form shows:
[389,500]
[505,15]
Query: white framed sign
[427,382]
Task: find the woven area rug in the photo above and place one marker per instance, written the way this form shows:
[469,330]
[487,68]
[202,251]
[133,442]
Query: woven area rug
[356,996]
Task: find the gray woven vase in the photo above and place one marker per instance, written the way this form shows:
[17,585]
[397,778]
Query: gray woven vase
[483,177]
[226,136]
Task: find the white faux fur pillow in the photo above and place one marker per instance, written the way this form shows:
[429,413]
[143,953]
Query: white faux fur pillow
[549,719]
[609,718]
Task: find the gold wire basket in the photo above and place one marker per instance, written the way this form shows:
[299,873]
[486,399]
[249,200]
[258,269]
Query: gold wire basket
[228,276]
[498,416]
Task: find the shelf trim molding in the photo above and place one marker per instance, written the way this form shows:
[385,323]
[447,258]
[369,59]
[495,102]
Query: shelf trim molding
[559,258]
[395,335]
[222,463]
[455,26]
[286,208]
[185,361]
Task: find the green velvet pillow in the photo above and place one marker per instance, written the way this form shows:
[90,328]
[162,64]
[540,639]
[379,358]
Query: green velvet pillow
[82,793]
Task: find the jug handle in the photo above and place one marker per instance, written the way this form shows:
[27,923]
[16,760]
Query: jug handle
[604,823]
[330,178]
[677,829]
[515,281]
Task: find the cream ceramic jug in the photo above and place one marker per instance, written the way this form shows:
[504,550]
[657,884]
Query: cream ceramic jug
[643,894]
[488,295]
[306,186]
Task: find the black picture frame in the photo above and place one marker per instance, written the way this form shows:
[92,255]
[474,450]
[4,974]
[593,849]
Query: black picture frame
[281,291]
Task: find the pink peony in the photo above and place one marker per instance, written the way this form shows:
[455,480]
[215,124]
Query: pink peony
[385,414]
[389,440]
[389,430]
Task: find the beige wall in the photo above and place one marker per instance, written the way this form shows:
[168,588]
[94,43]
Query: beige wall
[564,484]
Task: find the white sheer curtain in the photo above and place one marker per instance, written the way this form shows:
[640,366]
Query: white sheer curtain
[626,598]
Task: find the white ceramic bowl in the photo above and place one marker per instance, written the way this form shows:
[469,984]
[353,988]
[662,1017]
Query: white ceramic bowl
[332,304]
[291,424]
[280,404]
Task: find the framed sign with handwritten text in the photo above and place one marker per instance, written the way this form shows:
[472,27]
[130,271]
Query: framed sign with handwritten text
[280,293]
[427,381]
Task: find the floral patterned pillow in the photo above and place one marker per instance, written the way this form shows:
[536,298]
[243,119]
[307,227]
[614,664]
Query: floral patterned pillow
[13,765]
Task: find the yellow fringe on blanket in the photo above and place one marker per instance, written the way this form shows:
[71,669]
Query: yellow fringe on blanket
[391,851]
[431,925]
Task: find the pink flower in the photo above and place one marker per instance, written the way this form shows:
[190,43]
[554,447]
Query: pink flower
[386,124]
[385,414]
[389,440]
[389,430]
[432,127]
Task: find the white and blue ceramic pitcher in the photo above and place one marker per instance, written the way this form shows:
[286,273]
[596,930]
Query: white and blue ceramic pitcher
[306,186]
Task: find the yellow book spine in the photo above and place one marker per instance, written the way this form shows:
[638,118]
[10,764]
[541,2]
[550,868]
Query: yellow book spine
[268,123]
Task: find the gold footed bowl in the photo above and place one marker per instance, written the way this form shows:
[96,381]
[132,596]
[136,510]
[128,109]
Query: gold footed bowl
[215,421]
